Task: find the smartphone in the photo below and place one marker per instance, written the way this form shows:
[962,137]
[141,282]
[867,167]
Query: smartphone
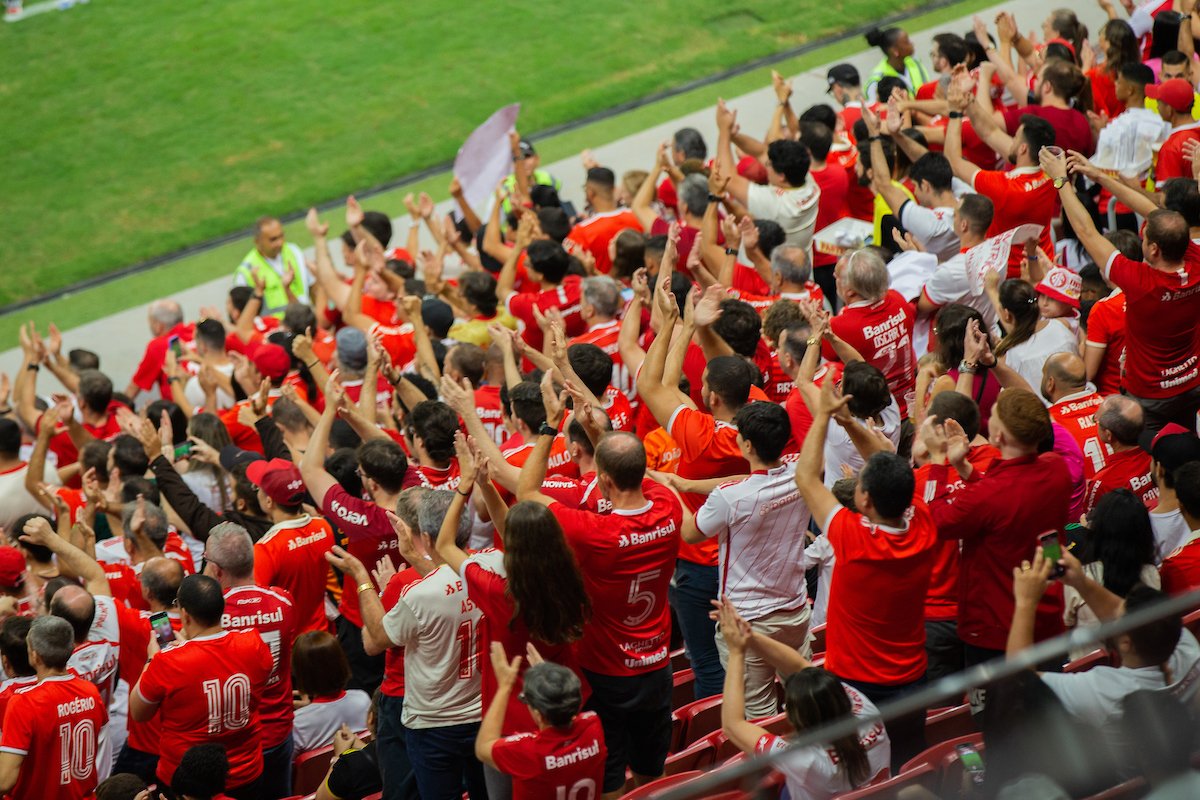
[1052,551]
[176,346]
[160,623]
[183,450]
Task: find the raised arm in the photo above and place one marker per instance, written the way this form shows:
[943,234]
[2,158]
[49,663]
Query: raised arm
[71,559]
[328,279]
[816,495]
[312,465]
[469,215]
[642,204]
[959,101]
[660,399]
[1099,248]
[739,187]
[446,544]
[881,176]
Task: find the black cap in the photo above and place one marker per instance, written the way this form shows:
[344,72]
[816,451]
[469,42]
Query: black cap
[437,315]
[232,456]
[843,75]
[526,148]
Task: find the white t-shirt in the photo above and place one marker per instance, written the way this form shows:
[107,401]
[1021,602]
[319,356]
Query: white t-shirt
[15,502]
[949,284]
[933,228]
[840,449]
[1170,532]
[1077,613]
[811,771]
[819,553]
[436,624]
[315,724]
[794,209]
[760,523]
[1029,356]
[195,395]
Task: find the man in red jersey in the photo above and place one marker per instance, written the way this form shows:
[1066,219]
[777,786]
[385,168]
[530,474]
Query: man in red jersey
[1180,569]
[626,558]
[1073,405]
[565,758]
[207,687]
[430,429]
[1104,350]
[1175,97]
[793,344]
[484,370]
[1162,300]
[835,182]
[291,554]
[169,332]
[607,218]
[364,523]
[599,308]
[1119,424]
[877,322]
[14,658]
[875,639]
[708,450]
[49,742]
[547,264]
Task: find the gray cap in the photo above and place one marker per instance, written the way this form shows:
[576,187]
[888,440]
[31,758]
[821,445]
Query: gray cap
[352,348]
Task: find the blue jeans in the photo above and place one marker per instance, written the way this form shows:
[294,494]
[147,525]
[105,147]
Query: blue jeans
[392,751]
[444,758]
[693,589]
[277,770]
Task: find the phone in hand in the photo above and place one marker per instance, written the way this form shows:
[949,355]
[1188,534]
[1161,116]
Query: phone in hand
[176,346]
[160,623]
[1052,551]
[183,450]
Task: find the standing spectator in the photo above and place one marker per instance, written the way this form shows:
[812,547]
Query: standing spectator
[600,305]
[436,624]
[1030,339]
[1073,405]
[169,332]
[607,219]
[546,263]
[1162,305]
[291,554]
[1119,424]
[1175,97]
[998,517]
[1104,351]
[625,557]
[50,730]
[269,612]
[14,659]
[207,688]
[275,269]
[949,282]
[874,641]
[16,499]
[320,673]
[759,523]
[834,181]
[899,61]
[1180,569]
[1170,449]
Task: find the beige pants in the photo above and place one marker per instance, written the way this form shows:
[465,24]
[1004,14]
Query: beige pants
[787,627]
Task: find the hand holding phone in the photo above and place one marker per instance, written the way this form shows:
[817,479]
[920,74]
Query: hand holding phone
[1052,551]
[160,623]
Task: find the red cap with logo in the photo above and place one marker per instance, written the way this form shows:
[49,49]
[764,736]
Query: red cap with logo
[271,361]
[1175,92]
[280,480]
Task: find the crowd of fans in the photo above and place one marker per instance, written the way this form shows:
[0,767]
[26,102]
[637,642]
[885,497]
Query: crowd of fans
[454,527]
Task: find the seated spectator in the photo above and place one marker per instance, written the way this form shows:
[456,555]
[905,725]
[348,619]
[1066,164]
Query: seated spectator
[320,673]
[354,771]
[1181,568]
[202,774]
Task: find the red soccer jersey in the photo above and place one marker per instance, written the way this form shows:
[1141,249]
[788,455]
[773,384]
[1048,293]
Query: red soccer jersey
[1077,413]
[595,232]
[369,537]
[209,689]
[1180,571]
[150,371]
[64,449]
[382,311]
[798,413]
[9,688]
[262,327]
[627,559]
[1019,197]
[1161,313]
[1129,469]
[270,614]
[553,762]
[398,341]
[620,412]
[1171,161]
[54,725]
[564,297]
[135,637]
[516,451]
[777,385]
[662,453]
[875,628]
[605,337]
[490,413]
[124,584]
[393,659]
[1106,329]
[291,555]
[433,477]
[707,449]
[835,182]
[882,333]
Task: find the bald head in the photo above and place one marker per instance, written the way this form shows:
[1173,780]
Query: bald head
[621,456]
[1063,374]
[160,581]
[77,607]
[1121,418]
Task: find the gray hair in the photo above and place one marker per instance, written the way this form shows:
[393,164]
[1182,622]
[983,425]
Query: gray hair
[603,293]
[229,547]
[693,193]
[553,691]
[791,264]
[433,510]
[867,275]
[53,641]
[167,312]
[156,527]
[1121,417]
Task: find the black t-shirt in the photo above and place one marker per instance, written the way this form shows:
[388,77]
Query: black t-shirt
[355,775]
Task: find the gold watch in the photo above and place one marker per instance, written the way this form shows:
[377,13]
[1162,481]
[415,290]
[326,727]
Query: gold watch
[1059,183]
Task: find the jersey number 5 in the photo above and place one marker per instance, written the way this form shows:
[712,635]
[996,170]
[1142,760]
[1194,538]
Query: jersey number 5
[641,595]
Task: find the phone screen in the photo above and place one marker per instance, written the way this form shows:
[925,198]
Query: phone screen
[160,623]
[183,450]
[176,346]
[1051,550]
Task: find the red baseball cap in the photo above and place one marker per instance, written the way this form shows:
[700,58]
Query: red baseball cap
[12,568]
[1173,446]
[271,361]
[280,480]
[1176,92]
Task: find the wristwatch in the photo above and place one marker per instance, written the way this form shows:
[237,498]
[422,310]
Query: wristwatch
[1059,183]
[547,429]
[955,115]
[714,198]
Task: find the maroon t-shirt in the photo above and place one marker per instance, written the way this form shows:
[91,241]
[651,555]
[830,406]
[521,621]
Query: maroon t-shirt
[1071,128]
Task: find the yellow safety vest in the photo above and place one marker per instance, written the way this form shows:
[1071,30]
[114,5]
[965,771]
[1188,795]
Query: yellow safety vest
[915,76]
[275,297]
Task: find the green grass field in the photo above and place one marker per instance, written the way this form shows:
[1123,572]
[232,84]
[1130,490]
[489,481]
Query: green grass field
[136,128]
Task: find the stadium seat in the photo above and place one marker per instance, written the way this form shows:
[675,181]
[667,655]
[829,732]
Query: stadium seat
[777,724]
[1084,663]
[684,690]
[1192,623]
[699,719]
[924,775]
[308,770]
[644,792]
[679,660]
[1130,789]
[698,755]
[950,723]
[942,753]
[818,639]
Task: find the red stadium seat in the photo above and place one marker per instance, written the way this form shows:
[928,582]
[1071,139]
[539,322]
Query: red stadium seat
[1192,623]
[698,755]
[818,642]
[308,770]
[645,792]
[950,723]
[699,719]
[777,724]
[924,776]
[943,753]
[1130,789]
[684,690]
[1084,663]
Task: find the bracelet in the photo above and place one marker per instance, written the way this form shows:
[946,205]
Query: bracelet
[257,297]
[464,494]
[967,366]
[362,587]
[714,198]
[315,361]
[33,367]
[174,379]
[955,115]
[876,138]
[5,410]
[731,251]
